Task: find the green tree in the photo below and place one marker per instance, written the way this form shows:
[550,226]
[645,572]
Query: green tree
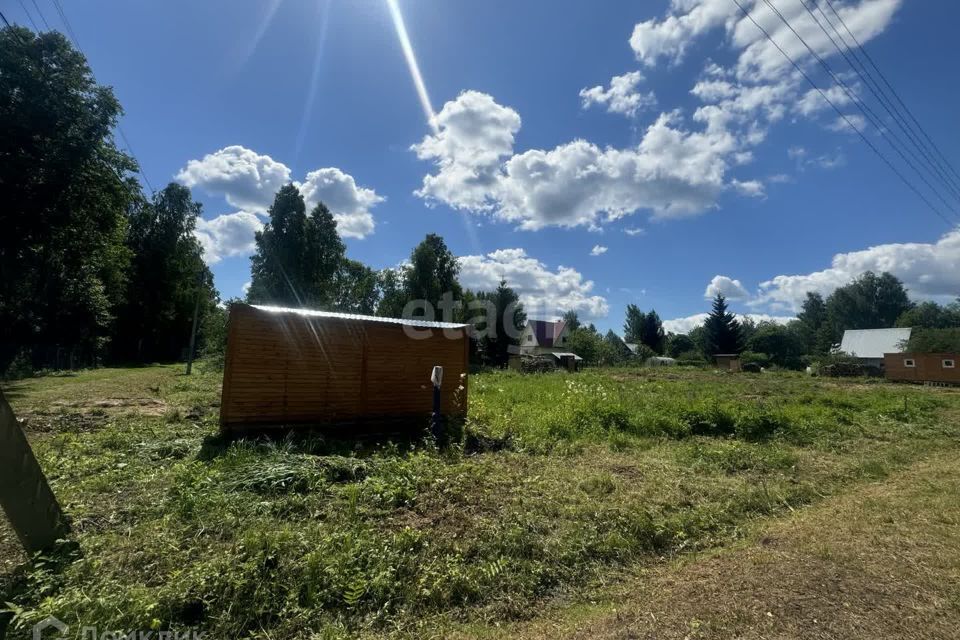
[65,192]
[571,320]
[390,293]
[356,287]
[507,324]
[783,344]
[278,268]
[644,328]
[869,302]
[588,344]
[652,333]
[678,343]
[432,273]
[616,352]
[166,275]
[300,260]
[925,340]
[721,329]
[930,315]
[634,324]
[812,319]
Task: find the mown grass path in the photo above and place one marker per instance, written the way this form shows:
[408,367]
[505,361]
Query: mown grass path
[882,561]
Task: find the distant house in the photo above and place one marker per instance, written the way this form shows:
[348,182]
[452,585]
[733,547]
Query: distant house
[546,337]
[922,367]
[869,345]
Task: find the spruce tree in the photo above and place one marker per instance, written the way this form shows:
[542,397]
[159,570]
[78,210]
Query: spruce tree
[721,329]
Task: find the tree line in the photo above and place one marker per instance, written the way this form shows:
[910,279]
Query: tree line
[93,270]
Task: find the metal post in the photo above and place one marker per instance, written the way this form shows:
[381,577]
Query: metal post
[26,496]
[193,330]
[436,378]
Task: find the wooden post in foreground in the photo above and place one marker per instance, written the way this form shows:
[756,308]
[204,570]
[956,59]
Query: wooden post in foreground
[25,495]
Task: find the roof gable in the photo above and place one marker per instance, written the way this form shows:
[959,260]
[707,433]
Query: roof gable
[546,331]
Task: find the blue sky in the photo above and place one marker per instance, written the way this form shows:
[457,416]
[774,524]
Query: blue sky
[595,154]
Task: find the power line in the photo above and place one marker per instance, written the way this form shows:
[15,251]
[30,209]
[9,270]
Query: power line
[864,108]
[4,18]
[893,91]
[926,157]
[123,135]
[841,114]
[40,13]
[29,17]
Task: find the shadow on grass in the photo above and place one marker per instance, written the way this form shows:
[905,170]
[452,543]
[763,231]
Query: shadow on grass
[358,440]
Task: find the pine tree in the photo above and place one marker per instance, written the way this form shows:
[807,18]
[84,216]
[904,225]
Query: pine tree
[301,261]
[721,329]
[652,333]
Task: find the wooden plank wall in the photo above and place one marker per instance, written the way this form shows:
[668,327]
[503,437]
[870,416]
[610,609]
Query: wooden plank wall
[929,367]
[284,368]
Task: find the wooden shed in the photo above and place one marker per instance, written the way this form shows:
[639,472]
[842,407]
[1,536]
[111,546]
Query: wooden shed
[922,367]
[300,366]
[727,361]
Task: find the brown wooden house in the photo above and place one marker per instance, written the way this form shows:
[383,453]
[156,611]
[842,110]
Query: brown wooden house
[299,366]
[922,367]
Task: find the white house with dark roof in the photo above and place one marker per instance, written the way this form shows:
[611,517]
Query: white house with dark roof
[544,337]
[549,338]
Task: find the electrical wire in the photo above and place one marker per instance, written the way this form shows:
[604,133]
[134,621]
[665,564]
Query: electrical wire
[893,91]
[842,115]
[40,13]
[926,158]
[123,135]
[29,17]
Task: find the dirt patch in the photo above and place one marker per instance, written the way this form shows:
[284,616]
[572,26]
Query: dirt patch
[42,424]
[144,406]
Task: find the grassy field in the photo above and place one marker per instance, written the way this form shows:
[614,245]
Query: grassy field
[564,490]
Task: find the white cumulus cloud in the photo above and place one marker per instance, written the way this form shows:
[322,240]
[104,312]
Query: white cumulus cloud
[249,180]
[246,179]
[689,323]
[621,97]
[543,292]
[231,234]
[928,271]
[728,287]
[474,135]
[598,250]
[349,204]
[672,171]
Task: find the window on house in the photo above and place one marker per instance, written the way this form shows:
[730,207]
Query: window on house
[909,363]
[529,338]
[948,364]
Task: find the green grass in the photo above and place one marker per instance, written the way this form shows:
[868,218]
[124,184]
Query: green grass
[558,483]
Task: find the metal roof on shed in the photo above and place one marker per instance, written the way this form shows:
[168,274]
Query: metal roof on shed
[873,343]
[315,313]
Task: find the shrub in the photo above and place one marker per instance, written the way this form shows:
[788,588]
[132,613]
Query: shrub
[761,359]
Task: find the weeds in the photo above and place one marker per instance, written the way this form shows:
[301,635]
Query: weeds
[556,480]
